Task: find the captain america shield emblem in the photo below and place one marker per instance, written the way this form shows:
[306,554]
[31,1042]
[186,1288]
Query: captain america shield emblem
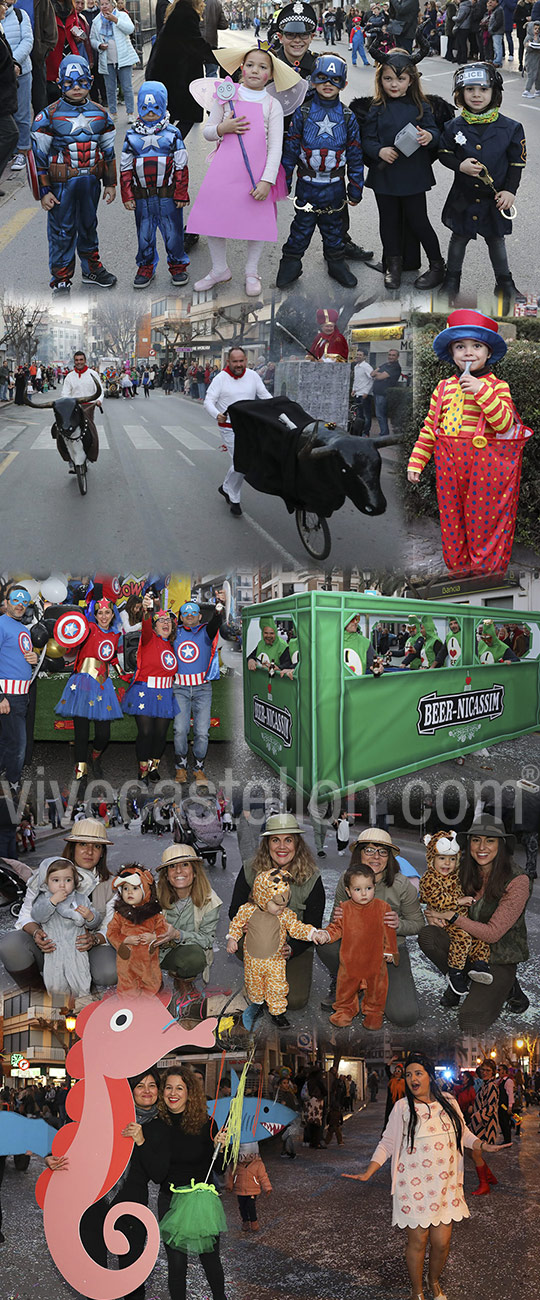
[188,652]
[168,660]
[70,630]
[106,650]
[25,642]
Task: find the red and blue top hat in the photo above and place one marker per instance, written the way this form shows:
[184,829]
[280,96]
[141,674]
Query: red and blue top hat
[469,325]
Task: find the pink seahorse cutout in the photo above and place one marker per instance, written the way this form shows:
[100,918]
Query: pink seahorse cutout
[120,1036]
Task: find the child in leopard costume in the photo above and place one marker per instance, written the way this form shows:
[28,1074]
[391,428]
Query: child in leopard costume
[440,889]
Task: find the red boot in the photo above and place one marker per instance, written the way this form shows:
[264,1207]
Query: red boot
[483,1188]
[492,1180]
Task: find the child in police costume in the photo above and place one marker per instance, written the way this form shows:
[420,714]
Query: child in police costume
[265,924]
[440,889]
[154,185]
[323,145]
[477,439]
[73,149]
[478,143]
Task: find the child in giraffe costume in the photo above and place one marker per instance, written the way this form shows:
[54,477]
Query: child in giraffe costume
[440,889]
[367,944]
[477,440]
[268,921]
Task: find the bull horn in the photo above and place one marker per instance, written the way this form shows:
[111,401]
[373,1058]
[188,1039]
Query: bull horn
[85,400]
[308,446]
[387,440]
[318,453]
[38,406]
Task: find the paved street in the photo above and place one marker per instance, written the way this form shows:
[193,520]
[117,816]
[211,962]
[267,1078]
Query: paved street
[23,242]
[152,499]
[323,1237]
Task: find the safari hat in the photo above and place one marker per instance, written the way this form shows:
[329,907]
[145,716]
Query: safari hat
[88,831]
[177,853]
[283,824]
[375,835]
[490,827]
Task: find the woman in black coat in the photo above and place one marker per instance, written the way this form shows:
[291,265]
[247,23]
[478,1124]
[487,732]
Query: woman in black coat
[178,57]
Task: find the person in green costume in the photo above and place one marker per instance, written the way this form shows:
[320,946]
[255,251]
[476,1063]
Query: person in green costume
[490,649]
[428,647]
[270,647]
[453,642]
[411,659]
[358,653]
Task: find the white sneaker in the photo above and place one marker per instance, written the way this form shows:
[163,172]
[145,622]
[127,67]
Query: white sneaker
[19,162]
[131,118]
[529,94]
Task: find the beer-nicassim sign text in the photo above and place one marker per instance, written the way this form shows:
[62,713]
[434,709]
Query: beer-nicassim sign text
[435,711]
[274,719]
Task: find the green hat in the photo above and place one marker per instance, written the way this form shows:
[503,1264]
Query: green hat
[283,824]
[267,621]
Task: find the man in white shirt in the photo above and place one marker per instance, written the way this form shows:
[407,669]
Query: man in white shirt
[81,383]
[361,390]
[233,384]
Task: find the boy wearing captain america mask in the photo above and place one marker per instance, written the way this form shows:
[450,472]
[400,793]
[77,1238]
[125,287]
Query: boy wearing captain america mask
[154,185]
[73,149]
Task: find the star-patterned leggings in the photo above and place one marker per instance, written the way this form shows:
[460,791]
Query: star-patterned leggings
[478,493]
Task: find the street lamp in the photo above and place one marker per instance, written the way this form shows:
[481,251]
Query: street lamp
[70,1021]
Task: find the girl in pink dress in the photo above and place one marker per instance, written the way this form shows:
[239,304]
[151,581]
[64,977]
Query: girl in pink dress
[424,1139]
[237,199]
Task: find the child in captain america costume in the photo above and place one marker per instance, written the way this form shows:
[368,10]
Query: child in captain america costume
[154,185]
[323,144]
[73,147]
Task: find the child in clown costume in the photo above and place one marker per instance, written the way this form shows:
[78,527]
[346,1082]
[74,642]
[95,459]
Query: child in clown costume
[440,890]
[73,148]
[154,185]
[267,921]
[471,429]
[237,199]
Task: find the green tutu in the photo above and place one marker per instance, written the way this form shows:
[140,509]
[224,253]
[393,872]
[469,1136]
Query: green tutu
[194,1220]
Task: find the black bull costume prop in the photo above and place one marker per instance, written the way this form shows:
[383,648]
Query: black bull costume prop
[283,451]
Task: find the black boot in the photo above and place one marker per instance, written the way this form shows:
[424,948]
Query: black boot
[289,269]
[517,1000]
[450,287]
[392,275]
[339,271]
[281,1021]
[430,279]
[354,253]
[510,294]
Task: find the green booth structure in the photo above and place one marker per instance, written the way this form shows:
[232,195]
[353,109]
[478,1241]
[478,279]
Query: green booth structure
[328,720]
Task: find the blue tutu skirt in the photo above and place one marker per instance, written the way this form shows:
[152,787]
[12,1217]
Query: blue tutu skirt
[142,701]
[83,697]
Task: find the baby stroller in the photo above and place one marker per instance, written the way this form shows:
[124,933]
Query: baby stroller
[156,817]
[197,823]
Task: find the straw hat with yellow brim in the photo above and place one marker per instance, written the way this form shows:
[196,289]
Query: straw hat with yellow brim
[178,853]
[283,824]
[375,835]
[88,831]
[282,74]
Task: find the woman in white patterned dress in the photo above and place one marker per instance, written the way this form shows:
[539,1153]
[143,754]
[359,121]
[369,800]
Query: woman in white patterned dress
[424,1139]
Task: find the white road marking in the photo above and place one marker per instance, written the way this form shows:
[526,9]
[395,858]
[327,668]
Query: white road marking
[291,559]
[142,440]
[186,458]
[8,433]
[44,442]
[189,440]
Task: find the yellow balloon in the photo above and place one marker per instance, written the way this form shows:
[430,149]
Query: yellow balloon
[53,650]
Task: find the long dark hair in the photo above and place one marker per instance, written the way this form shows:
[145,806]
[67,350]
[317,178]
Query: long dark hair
[501,872]
[100,868]
[418,1058]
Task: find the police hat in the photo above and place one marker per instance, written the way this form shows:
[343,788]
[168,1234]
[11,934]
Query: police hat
[297,17]
[477,74]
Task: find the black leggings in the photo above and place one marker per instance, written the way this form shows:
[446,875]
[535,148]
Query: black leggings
[497,255]
[411,209]
[151,738]
[102,736]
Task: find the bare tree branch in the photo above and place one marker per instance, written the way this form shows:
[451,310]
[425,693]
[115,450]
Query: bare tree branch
[22,318]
